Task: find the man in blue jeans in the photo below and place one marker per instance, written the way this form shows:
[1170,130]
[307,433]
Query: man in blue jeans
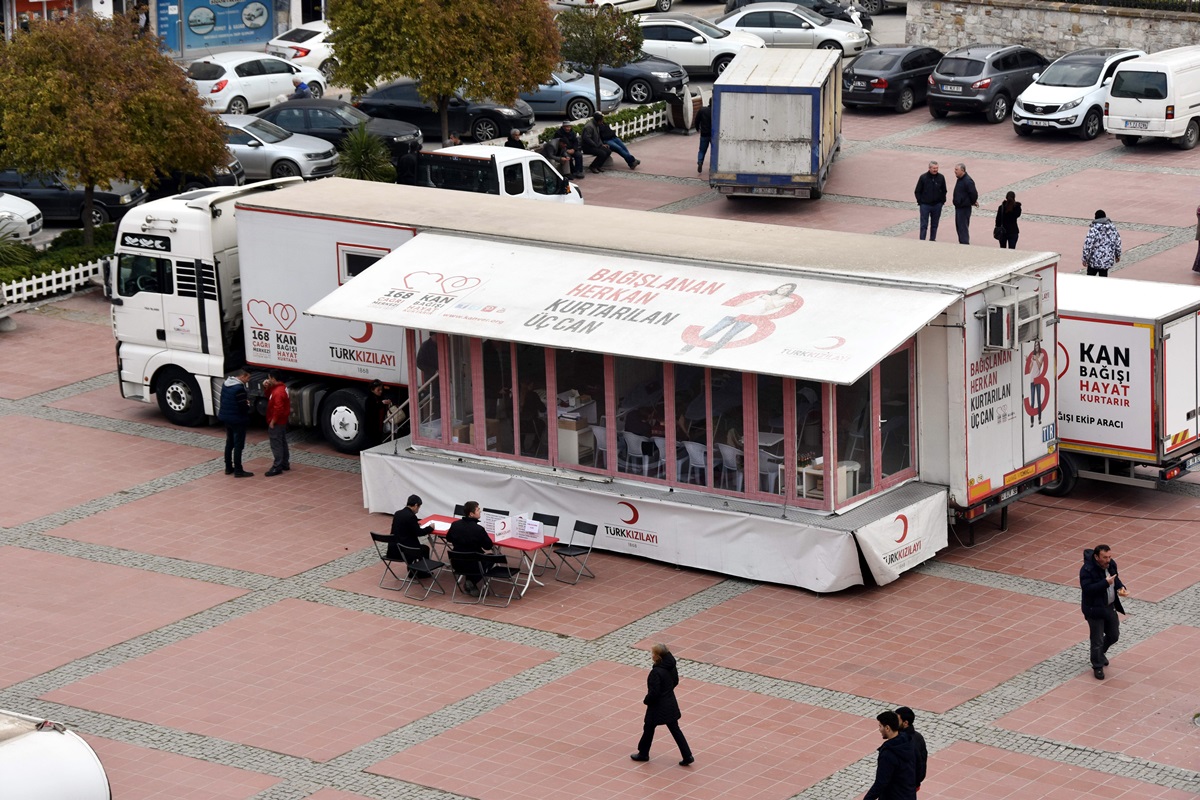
[235,413]
[931,196]
[609,137]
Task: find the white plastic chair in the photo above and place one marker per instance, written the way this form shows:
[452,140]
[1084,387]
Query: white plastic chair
[731,461]
[697,460]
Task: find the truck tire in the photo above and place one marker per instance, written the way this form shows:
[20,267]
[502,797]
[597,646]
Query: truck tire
[344,420]
[1191,136]
[1068,476]
[179,398]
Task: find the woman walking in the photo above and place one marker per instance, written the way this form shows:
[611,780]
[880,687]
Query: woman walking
[661,706]
[1006,218]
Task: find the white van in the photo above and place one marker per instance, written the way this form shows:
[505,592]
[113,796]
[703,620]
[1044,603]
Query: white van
[1156,96]
[42,760]
[504,171]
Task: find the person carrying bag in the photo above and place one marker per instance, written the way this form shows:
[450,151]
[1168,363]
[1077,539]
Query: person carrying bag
[1007,230]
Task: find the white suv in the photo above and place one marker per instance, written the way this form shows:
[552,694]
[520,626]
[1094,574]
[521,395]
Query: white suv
[1069,95]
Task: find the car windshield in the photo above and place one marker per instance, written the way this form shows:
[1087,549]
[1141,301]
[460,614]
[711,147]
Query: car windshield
[1140,85]
[811,16]
[703,26]
[566,74]
[298,35]
[875,62]
[960,67]
[269,132]
[350,114]
[205,71]
[1067,73]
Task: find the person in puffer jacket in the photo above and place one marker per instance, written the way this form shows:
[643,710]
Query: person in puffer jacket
[235,413]
[1102,247]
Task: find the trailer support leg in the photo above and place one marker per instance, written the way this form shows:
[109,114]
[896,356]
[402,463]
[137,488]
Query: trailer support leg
[1004,520]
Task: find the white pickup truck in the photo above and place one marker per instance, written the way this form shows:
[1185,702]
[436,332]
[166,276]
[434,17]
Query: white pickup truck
[504,171]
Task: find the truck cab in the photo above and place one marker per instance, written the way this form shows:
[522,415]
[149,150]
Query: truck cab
[504,171]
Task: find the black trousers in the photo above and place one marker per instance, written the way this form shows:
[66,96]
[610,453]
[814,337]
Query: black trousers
[673,727]
[235,440]
[1102,272]
[962,223]
[1104,633]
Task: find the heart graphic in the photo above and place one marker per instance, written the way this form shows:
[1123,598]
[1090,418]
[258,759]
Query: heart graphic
[285,314]
[423,281]
[458,283]
[258,311]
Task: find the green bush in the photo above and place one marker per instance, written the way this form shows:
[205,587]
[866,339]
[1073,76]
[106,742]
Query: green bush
[624,115]
[73,237]
[65,251]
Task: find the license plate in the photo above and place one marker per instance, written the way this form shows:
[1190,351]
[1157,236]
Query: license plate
[685,81]
[1138,124]
[1191,463]
[764,190]
[946,87]
[1009,494]
[284,54]
[1041,123]
[860,84]
[35,227]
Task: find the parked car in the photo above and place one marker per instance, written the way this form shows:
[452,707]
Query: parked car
[621,5]
[841,10]
[983,77]
[791,25]
[894,75]
[19,218]
[64,201]
[879,6]
[268,151]
[334,120]
[573,95]
[647,79]
[696,44]
[236,82]
[309,45]
[1069,95]
[172,182]
[480,119]
[1156,97]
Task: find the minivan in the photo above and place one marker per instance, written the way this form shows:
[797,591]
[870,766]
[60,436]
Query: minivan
[1156,96]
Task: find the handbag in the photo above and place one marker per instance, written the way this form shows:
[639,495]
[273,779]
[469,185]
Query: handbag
[998,233]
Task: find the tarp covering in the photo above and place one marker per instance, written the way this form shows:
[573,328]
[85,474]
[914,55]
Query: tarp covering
[759,321]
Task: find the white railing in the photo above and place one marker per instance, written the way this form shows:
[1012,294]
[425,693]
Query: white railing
[63,280]
[627,129]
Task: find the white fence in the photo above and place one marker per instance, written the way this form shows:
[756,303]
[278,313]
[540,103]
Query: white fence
[628,129]
[64,280]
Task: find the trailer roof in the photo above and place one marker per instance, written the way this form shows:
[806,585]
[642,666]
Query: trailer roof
[782,67]
[755,247]
[1125,299]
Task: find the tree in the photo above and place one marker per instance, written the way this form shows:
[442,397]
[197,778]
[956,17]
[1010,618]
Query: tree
[90,100]
[365,157]
[482,48]
[594,38]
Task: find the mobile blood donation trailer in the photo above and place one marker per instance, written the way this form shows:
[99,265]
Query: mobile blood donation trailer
[1127,381]
[756,400]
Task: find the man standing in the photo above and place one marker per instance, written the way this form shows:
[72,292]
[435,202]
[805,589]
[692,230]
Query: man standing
[574,149]
[407,530]
[235,413]
[703,126]
[468,536]
[931,196]
[965,198]
[896,770]
[279,408]
[1101,592]
[920,752]
[1102,247]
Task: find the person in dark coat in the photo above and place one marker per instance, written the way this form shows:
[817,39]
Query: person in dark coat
[235,413]
[1100,593]
[1006,217]
[514,139]
[574,148]
[931,196]
[895,773]
[703,125]
[407,530]
[375,413]
[661,706]
[966,197]
[594,145]
[407,165]
[920,751]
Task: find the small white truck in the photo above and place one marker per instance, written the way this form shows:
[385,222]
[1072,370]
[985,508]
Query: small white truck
[504,171]
[1128,397]
[42,760]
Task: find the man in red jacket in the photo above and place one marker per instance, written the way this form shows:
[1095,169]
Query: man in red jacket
[279,408]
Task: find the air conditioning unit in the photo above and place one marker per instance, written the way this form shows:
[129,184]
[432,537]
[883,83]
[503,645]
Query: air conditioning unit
[1012,320]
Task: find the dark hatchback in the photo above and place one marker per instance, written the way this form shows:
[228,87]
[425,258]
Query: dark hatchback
[64,201]
[480,119]
[983,77]
[894,75]
[334,120]
[174,182]
[826,8]
[647,79]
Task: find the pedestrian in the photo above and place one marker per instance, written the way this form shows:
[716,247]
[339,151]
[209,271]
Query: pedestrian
[279,408]
[376,412]
[965,198]
[1196,263]
[931,196]
[235,413]
[514,139]
[703,126]
[574,148]
[1101,591]
[593,145]
[1006,221]
[300,90]
[455,140]
[895,772]
[408,165]
[1102,246]
[661,706]
[612,140]
[467,536]
[920,752]
[407,530]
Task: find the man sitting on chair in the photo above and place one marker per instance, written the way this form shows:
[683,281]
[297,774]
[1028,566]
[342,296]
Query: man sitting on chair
[407,530]
[468,536]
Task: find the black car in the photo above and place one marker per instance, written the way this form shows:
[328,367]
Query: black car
[334,120]
[647,79]
[983,77]
[174,182]
[63,201]
[826,8]
[894,75]
[480,119]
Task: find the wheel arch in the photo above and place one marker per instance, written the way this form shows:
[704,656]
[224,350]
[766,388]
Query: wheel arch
[199,368]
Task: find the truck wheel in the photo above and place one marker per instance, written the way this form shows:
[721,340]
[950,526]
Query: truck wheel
[815,194]
[579,109]
[937,113]
[1129,141]
[179,398]
[1068,476]
[1190,136]
[998,109]
[484,129]
[1093,123]
[639,91]
[344,420]
[905,102]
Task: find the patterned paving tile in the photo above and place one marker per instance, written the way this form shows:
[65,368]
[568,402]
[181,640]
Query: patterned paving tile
[140,773]
[892,174]
[1153,199]
[869,124]
[349,678]
[1169,266]
[967,133]
[826,214]
[45,352]
[1066,240]
[334,794]
[107,402]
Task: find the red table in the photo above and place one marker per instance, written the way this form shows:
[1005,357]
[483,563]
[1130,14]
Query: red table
[529,550]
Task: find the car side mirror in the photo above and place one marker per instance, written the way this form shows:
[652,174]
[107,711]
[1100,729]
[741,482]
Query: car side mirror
[1107,82]
[697,40]
[254,143]
[1037,75]
[107,265]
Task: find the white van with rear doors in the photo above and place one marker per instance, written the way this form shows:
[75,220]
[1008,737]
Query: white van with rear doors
[1156,96]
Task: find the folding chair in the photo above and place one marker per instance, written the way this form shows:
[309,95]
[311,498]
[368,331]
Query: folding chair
[549,528]
[381,542]
[419,565]
[495,511]
[495,570]
[460,511]
[465,565]
[576,552]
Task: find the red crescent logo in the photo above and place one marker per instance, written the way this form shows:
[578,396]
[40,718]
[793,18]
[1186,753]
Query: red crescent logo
[1066,360]
[632,520]
[903,535]
[182,324]
[838,342]
[366,334]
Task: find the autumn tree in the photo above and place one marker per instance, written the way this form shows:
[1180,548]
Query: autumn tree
[594,38]
[90,100]
[482,48]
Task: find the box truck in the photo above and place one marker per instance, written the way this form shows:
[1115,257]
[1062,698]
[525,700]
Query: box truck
[1127,381]
[777,123]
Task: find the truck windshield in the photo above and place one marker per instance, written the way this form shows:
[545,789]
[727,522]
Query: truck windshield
[143,274]
[1140,85]
[1065,73]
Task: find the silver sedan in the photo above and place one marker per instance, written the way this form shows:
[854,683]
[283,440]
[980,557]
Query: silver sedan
[791,25]
[268,151]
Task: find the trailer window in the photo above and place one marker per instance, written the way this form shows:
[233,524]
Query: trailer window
[895,409]
[809,442]
[497,397]
[356,259]
[771,429]
[514,179]
[1140,85]
[531,401]
[579,405]
[144,274]
[639,391]
[462,402]
[429,395]
[855,438]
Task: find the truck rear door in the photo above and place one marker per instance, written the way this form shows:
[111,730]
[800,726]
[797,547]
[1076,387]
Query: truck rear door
[1181,396]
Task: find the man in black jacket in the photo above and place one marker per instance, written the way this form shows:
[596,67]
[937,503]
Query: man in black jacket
[235,413]
[895,772]
[931,196]
[468,536]
[703,126]
[574,148]
[1101,593]
[965,198]
[920,752]
[407,530]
